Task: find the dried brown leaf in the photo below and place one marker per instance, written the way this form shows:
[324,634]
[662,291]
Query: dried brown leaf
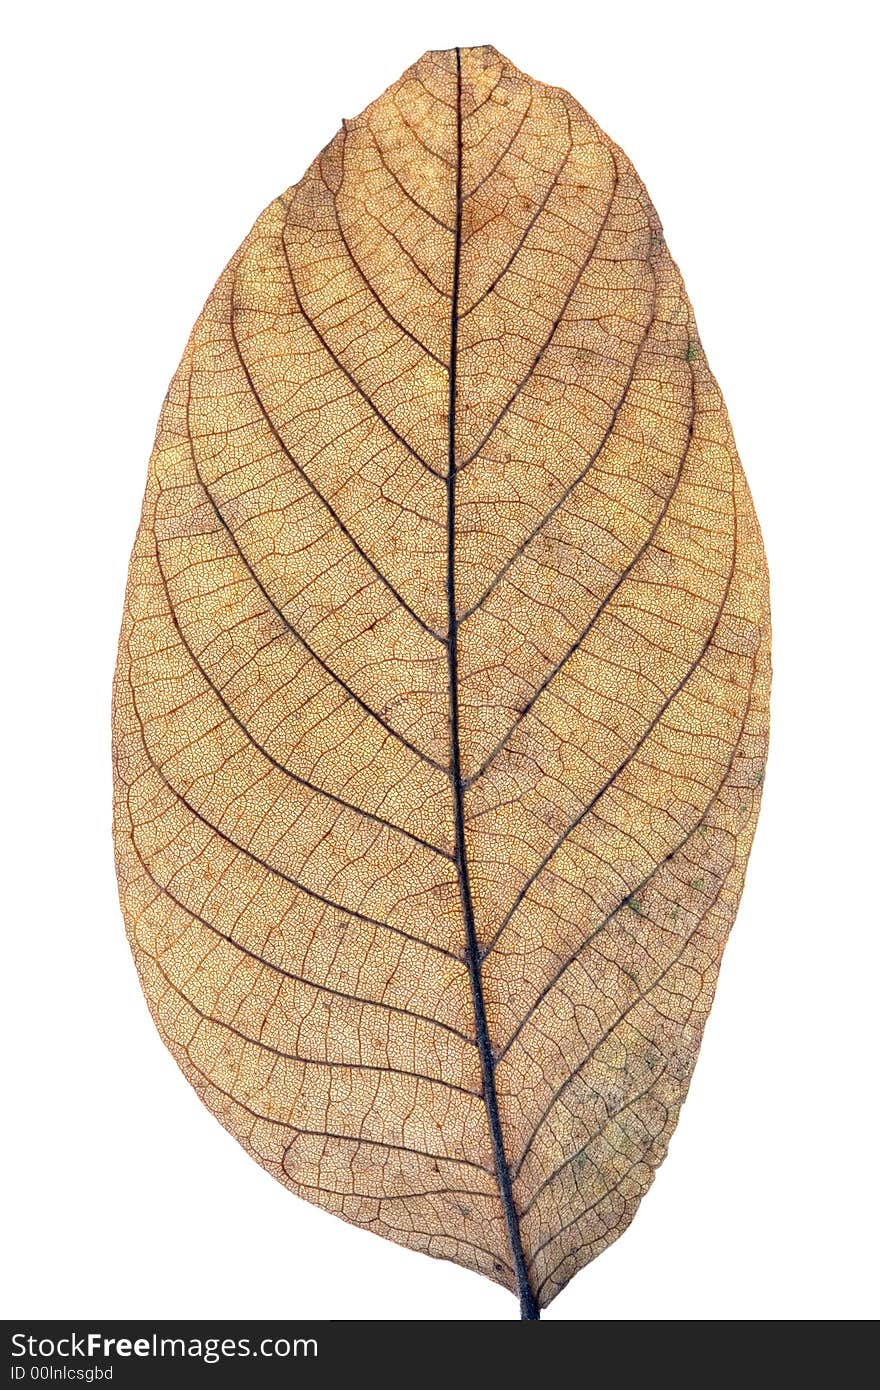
[441,706]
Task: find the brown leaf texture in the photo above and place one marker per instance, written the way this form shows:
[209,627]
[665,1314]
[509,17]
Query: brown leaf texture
[442,697]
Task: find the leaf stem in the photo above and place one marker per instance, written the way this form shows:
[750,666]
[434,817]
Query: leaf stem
[529,1309]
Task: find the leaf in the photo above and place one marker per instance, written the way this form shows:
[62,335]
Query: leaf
[441,706]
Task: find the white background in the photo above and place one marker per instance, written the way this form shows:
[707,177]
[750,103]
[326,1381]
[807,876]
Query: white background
[142,141]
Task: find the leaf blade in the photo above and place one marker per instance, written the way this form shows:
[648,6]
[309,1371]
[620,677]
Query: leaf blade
[441,707]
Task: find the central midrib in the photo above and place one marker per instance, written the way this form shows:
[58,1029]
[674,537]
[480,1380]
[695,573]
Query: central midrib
[528,1305]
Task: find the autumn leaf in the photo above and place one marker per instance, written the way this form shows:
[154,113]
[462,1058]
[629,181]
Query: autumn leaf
[441,706]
